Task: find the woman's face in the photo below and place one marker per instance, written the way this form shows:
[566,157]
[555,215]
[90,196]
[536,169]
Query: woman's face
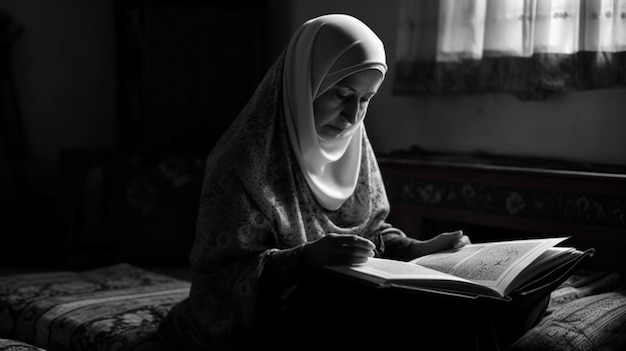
[344,104]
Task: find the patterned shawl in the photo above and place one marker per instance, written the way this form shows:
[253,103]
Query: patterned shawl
[256,213]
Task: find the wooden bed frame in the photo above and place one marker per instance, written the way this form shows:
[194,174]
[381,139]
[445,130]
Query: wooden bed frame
[493,202]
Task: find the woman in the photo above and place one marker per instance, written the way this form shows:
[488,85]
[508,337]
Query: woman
[293,185]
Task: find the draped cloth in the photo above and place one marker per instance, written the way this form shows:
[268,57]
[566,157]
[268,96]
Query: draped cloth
[323,51]
[256,214]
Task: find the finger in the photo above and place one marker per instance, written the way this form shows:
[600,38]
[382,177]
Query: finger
[351,240]
[357,251]
[352,259]
[349,254]
[362,242]
[453,238]
[363,253]
[456,235]
[445,240]
[359,260]
[347,259]
[464,240]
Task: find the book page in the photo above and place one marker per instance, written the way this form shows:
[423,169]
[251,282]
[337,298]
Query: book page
[382,271]
[397,270]
[492,264]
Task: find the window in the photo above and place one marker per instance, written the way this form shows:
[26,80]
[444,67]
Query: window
[525,47]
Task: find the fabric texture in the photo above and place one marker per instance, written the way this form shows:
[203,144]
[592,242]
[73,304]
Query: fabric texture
[13,345]
[117,307]
[256,213]
[323,51]
[527,48]
[587,312]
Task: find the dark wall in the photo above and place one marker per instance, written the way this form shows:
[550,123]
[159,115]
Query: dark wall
[63,70]
[119,102]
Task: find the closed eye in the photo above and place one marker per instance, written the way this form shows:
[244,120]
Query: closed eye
[342,95]
[367,98]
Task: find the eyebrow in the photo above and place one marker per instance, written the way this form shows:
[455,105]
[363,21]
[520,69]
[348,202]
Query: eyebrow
[354,90]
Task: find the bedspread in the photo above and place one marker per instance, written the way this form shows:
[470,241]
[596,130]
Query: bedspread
[119,307]
[116,307]
[586,312]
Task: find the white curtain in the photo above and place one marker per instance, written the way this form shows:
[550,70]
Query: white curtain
[509,28]
[571,44]
[461,29]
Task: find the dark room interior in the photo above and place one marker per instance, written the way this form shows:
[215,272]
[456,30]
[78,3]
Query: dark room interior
[110,108]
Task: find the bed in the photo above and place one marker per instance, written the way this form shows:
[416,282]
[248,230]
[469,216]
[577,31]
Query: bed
[115,307]
[119,306]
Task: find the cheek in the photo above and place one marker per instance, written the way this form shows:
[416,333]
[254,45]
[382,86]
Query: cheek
[324,112]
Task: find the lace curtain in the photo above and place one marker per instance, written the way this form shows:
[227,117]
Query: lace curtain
[525,47]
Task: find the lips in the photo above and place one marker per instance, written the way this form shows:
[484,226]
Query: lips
[339,129]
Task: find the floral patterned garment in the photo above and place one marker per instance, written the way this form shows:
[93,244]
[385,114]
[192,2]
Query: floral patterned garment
[256,212]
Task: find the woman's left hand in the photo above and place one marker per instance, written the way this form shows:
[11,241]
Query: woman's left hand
[443,241]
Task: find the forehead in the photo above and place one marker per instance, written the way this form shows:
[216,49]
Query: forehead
[367,79]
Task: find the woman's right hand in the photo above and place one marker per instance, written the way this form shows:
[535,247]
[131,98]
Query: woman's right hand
[337,249]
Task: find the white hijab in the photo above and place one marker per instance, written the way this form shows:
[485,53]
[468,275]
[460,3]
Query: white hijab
[323,51]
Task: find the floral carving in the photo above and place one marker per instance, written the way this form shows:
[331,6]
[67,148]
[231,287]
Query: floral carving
[515,203]
[580,208]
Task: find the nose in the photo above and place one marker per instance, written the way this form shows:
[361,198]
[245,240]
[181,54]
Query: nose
[353,112]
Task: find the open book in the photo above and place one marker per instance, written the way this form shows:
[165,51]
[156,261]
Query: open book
[489,269]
